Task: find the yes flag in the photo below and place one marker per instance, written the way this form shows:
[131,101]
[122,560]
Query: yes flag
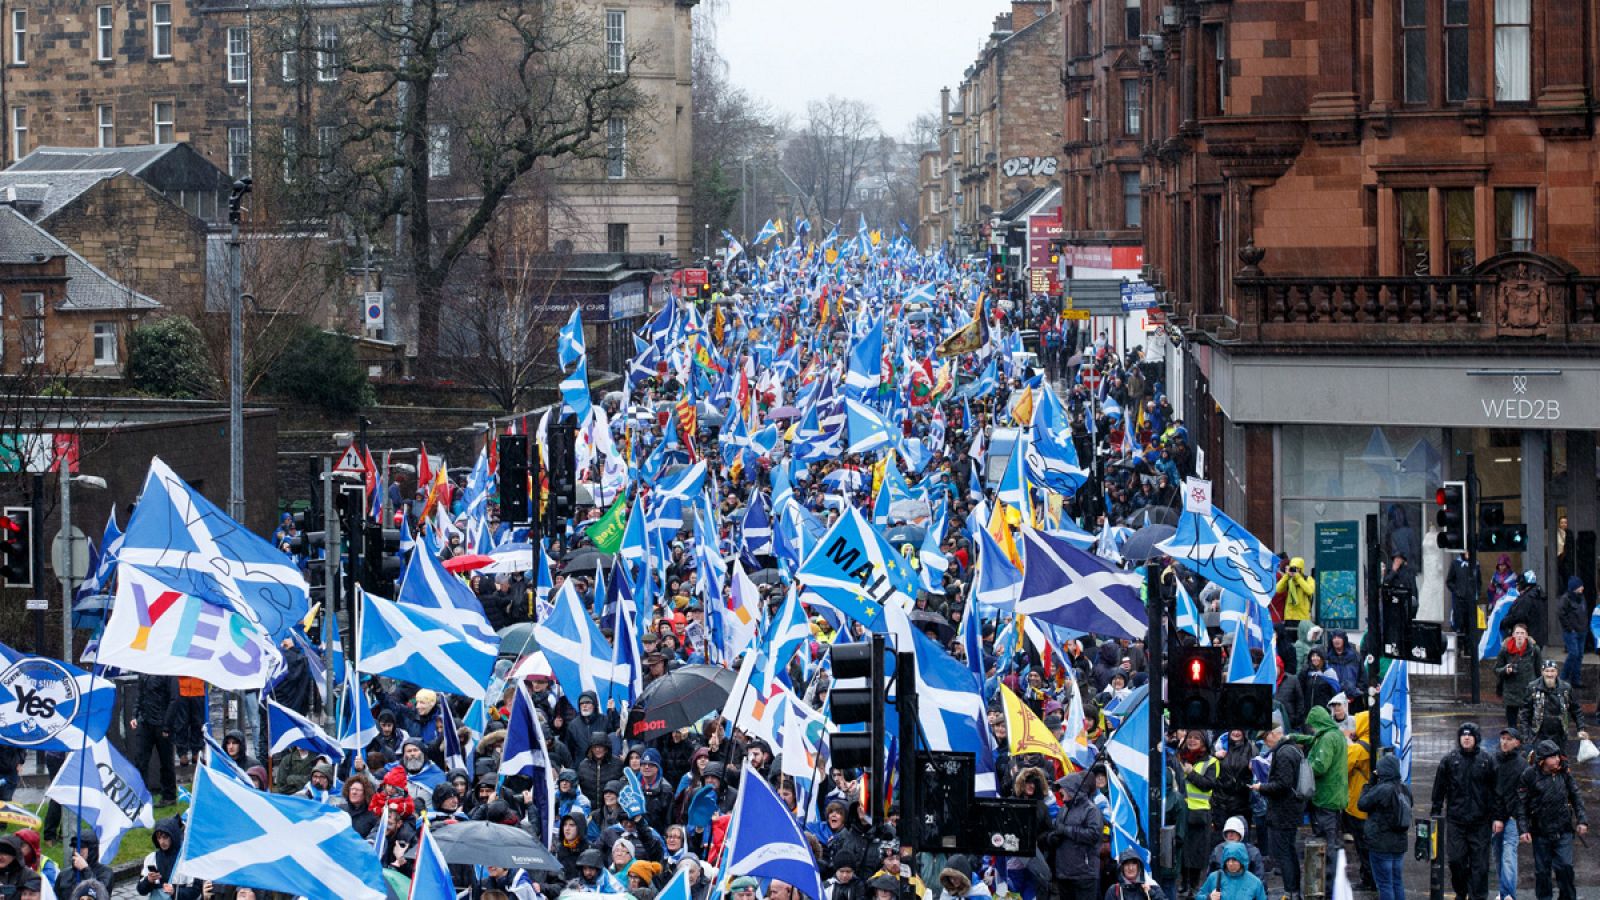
[1076,590]
[854,570]
[160,631]
[764,840]
[413,645]
[185,542]
[606,532]
[302,847]
[50,705]
[105,791]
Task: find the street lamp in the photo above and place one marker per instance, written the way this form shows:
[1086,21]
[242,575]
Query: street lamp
[65,575]
[235,357]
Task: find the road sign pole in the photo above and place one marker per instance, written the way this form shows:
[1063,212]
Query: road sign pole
[38,603]
[65,573]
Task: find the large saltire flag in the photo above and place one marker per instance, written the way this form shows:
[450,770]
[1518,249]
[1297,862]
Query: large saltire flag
[412,644]
[1079,591]
[1222,551]
[570,347]
[182,540]
[575,390]
[854,570]
[302,847]
[764,840]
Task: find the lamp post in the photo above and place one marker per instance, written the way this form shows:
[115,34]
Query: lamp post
[235,357]
[65,576]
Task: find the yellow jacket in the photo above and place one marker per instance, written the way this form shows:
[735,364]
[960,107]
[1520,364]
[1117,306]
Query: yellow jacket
[1358,755]
[1300,592]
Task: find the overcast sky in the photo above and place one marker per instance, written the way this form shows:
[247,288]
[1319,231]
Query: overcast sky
[894,54]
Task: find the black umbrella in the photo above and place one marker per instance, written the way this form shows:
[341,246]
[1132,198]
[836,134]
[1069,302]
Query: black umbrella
[517,641]
[1141,545]
[1151,515]
[493,844]
[923,619]
[906,534]
[766,576]
[679,699]
[582,562]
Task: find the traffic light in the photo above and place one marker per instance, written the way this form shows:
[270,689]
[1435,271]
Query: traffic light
[563,471]
[858,697]
[1452,515]
[999,275]
[16,547]
[380,559]
[309,544]
[1246,706]
[1196,687]
[513,478]
[1495,535]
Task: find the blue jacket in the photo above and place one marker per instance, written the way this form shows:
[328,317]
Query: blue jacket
[1240,886]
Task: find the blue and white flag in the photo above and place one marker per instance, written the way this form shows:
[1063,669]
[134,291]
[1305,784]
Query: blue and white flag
[526,754]
[1491,636]
[950,708]
[219,761]
[430,880]
[1129,749]
[999,583]
[105,791]
[855,571]
[570,346]
[755,532]
[1076,590]
[865,370]
[302,847]
[426,584]
[288,728]
[1124,820]
[575,390]
[1188,616]
[579,655]
[413,645]
[765,841]
[1241,668]
[868,430]
[104,563]
[184,541]
[1222,551]
[46,704]
[356,726]
[1394,705]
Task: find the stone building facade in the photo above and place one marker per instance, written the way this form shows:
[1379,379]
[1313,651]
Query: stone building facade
[248,85]
[1102,123]
[1005,123]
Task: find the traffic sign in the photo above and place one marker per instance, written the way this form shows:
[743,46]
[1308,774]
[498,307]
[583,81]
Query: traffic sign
[80,554]
[1080,315]
[351,461]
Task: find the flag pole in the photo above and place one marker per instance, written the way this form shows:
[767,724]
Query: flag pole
[1154,665]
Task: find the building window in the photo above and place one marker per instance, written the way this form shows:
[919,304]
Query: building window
[1131,214]
[616,237]
[238,151]
[616,40]
[1413,206]
[161,115]
[327,147]
[104,20]
[438,151]
[1219,55]
[105,343]
[1513,56]
[327,53]
[19,132]
[33,328]
[616,148]
[1513,220]
[105,126]
[290,68]
[1132,25]
[19,37]
[1459,234]
[1414,49]
[291,152]
[1457,49]
[238,55]
[161,30]
[1130,106]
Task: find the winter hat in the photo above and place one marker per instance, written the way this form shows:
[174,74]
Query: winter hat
[1549,664]
[1236,825]
[395,777]
[651,756]
[1546,749]
[1574,583]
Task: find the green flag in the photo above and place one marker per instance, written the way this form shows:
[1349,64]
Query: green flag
[607,531]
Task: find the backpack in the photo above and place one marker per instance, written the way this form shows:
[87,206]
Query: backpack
[1305,780]
[1402,809]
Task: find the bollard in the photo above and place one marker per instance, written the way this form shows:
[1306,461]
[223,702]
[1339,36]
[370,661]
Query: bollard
[1314,869]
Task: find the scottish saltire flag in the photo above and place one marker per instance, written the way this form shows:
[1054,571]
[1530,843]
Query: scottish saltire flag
[765,841]
[1251,614]
[578,653]
[220,762]
[787,632]
[950,705]
[290,729]
[426,584]
[1241,669]
[569,346]
[1053,461]
[51,705]
[1124,820]
[626,652]
[356,726]
[999,583]
[1013,487]
[1491,636]
[104,563]
[302,847]
[686,485]
[868,430]
[430,880]
[455,756]
[1267,672]
[769,231]
[1076,590]
[755,532]
[575,390]
[1222,551]
[1394,705]
[1129,750]
[414,645]
[855,571]
[1188,616]
[106,791]
[182,540]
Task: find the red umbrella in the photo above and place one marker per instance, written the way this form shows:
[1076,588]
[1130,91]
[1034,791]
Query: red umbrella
[467,563]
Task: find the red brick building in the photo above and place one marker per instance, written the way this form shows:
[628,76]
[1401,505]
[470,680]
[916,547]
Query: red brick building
[1377,226]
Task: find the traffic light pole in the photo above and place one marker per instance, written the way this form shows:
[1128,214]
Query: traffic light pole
[1155,664]
[880,699]
[905,698]
[37,547]
[330,572]
[1470,513]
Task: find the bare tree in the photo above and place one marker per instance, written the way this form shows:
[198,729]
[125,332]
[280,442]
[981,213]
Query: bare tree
[831,152]
[734,151]
[500,90]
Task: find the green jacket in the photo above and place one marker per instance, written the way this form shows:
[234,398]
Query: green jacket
[1326,753]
